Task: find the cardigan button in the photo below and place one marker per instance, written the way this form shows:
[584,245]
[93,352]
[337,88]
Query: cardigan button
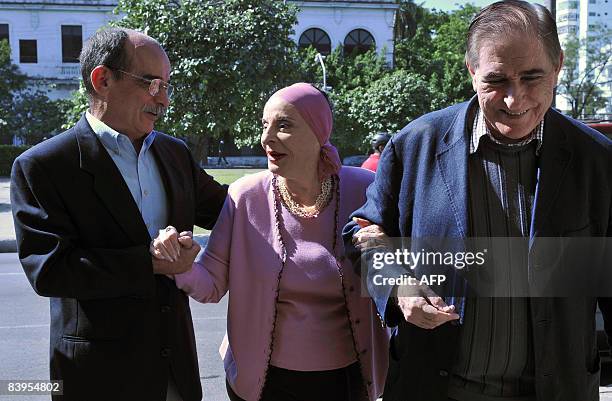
[351,289]
[357,321]
[443,373]
[166,352]
[165,309]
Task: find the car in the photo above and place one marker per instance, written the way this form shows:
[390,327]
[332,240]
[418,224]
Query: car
[603,126]
[355,160]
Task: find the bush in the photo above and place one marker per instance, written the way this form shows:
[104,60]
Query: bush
[8,154]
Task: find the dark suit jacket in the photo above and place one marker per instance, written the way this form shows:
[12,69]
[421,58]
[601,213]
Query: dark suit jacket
[421,190]
[116,328]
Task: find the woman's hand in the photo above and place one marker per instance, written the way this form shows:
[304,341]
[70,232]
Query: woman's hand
[167,246]
[370,236]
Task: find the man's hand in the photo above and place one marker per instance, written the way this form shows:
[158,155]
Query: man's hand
[428,311]
[369,236]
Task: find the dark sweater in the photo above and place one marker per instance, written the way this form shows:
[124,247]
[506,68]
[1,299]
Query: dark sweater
[495,359]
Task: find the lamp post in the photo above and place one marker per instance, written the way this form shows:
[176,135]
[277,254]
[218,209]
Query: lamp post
[319,59]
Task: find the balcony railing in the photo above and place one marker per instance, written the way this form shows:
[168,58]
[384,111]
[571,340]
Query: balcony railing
[69,71]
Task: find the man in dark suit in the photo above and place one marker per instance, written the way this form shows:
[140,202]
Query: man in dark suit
[86,205]
[503,166]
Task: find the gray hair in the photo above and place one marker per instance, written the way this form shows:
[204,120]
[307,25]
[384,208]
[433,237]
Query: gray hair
[510,17]
[105,47]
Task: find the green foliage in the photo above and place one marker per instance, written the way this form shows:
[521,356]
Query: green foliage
[387,104]
[436,51]
[10,80]
[25,110]
[8,154]
[74,107]
[580,84]
[227,58]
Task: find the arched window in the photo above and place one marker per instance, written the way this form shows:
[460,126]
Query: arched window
[316,38]
[358,41]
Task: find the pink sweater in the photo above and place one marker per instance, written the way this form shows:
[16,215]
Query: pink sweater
[242,256]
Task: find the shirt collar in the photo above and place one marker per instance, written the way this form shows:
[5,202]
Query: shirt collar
[480,129]
[114,140]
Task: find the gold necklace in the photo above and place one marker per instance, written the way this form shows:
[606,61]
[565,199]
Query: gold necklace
[299,210]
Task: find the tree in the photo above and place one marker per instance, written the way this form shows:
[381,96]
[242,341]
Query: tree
[436,51]
[10,80]
[25,110]
[227,58]
[580,81]
[387,105]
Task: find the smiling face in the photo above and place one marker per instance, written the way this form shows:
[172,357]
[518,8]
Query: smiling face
[130,109]
[514,80]
[291,146]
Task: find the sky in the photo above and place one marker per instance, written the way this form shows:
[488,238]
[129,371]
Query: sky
[447,5]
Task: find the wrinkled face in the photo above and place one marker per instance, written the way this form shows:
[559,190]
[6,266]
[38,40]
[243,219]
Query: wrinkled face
[514,80]
[291,146]
[131,110]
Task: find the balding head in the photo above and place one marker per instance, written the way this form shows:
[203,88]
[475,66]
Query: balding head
[114,48]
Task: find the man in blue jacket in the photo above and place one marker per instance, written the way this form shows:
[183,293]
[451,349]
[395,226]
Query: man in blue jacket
[505,164]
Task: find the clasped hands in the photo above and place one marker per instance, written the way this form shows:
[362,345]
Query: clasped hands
[173,252]
[427,310]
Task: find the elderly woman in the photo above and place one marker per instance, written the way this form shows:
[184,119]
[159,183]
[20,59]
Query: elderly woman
[298,326]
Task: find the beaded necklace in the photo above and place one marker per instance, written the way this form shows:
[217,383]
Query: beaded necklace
[307,212]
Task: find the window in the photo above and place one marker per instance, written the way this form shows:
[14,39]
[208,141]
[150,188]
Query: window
[568,17]
[72,42]
[4,34]
[592,1]
[567,29]
[27,51]
[565,5]
[358,41]
[592,14]
[316,38]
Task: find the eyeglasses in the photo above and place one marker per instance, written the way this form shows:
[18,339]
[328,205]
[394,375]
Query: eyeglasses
[155,85]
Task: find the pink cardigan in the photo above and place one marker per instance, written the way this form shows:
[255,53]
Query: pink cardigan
[242,256]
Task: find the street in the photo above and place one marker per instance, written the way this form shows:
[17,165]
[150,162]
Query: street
[24,336]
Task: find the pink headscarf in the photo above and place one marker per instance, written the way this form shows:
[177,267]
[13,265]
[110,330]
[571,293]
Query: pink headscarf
[314,109]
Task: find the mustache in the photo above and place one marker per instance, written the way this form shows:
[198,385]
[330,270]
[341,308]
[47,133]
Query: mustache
[158,110]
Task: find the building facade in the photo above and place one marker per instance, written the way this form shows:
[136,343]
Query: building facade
[356,25]
[46,36]
[584,18]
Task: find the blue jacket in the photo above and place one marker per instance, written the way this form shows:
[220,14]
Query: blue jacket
[421,190]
